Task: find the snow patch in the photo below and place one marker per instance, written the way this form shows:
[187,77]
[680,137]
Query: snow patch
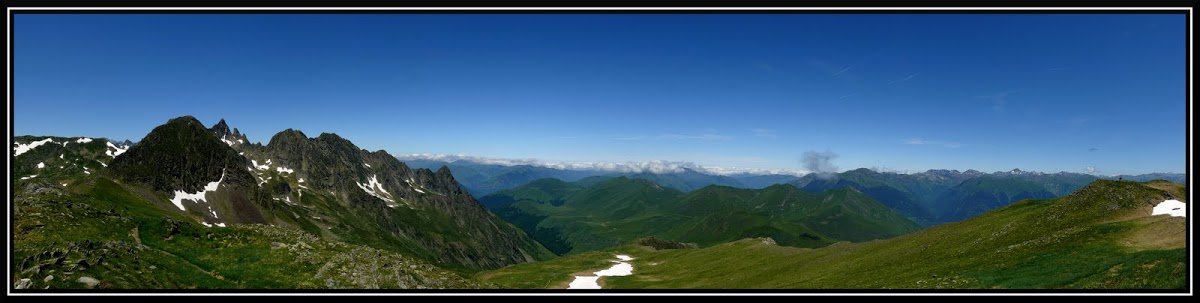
[87,172]
[197,196]
[261,167]
[29,177]
[102,163]
[83,140]
[622,268]
[585,282]
[367,165]
[23,148]
[374,188]
[61,156]
[282,169]
[41,165]
[1172,207]
[116,150]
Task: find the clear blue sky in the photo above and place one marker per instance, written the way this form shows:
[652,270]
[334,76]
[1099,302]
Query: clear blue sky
[906,92]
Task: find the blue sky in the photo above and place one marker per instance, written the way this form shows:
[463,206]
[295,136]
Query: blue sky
[902,92]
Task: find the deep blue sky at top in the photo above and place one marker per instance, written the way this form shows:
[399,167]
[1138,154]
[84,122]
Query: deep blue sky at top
[907,92]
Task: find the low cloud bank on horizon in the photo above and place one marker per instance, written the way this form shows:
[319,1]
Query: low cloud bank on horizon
[657,167]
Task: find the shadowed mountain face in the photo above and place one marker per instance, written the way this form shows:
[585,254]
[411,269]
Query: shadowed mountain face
[325,185]
[182,156]
[596,213]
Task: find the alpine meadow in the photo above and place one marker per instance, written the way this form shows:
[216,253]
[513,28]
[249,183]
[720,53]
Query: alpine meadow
[573,151]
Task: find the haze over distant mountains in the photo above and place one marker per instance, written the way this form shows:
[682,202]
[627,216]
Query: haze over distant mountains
[930,197]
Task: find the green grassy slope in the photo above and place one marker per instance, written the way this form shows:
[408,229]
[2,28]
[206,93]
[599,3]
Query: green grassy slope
[1101,236]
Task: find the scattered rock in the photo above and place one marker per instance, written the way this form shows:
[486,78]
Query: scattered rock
[48,278]
[153,267]
[23,284]
[277,245]
[89,281]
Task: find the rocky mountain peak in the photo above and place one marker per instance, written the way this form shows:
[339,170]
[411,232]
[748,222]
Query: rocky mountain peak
[220,129]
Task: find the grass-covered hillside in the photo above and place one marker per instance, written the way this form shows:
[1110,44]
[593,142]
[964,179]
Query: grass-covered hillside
[1101,236]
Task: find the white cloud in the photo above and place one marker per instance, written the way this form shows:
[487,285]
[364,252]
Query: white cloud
[948,144]
[656,166]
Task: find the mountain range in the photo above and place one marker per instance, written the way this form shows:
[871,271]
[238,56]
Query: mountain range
[190,206]
[349,199]
[928,198]
[600,212]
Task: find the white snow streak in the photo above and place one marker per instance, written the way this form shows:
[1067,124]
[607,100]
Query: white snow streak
[197,196]
[29,177]
[22,148]
[372,185]
[41,165]
[83,140]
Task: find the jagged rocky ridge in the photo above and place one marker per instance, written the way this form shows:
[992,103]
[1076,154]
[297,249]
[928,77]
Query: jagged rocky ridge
[325,185]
